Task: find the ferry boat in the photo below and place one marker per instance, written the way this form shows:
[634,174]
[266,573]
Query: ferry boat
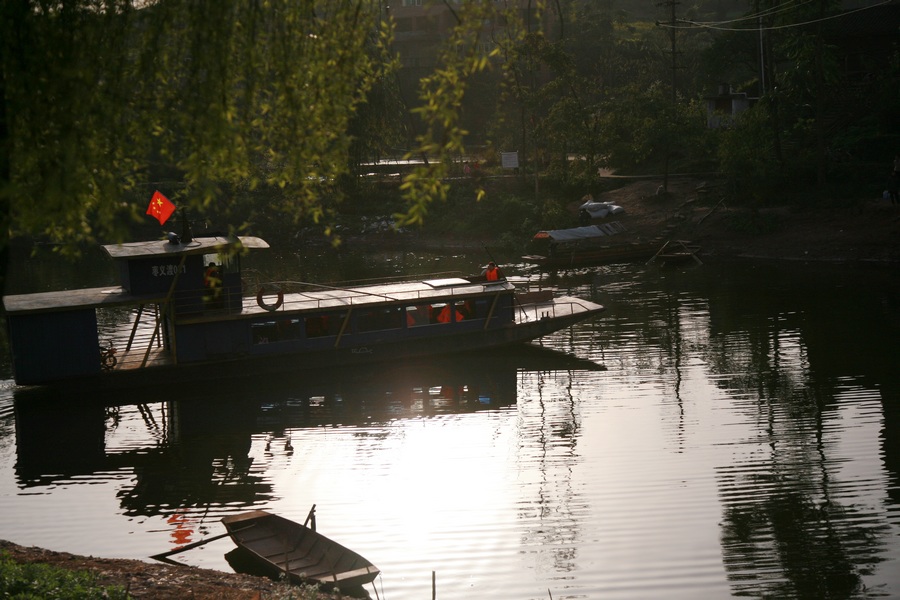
[188,316]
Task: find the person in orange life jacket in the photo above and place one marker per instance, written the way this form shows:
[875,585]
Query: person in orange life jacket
[211,277]
[492,272]
[444,315]
[213,283]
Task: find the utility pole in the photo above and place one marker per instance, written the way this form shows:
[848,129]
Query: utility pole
[671,4]
[762,56]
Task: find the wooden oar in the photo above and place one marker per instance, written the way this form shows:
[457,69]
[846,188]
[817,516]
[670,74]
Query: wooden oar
[657,253]
[696,258]
[164,556]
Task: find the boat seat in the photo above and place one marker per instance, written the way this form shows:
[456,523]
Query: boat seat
[299,553]
[314,565]
[355,573]
[251,537]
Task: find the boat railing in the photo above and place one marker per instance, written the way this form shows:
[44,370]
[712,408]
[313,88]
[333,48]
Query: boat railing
[202,304]
[131,338]
[352,283]
[547,307]
[287,295]
[295,295]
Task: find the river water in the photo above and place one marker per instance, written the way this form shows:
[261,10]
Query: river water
[730,429]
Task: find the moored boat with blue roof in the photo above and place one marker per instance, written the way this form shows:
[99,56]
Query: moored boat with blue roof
[191,315]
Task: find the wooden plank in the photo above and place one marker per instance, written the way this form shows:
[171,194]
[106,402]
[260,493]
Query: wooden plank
[164,555]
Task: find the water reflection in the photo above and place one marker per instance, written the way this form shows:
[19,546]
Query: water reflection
[779,343]
[193,447]
[550,431]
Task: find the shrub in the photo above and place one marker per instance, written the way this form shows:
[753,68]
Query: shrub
[39,581]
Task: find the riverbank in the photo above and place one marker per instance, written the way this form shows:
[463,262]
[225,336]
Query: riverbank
[862,230]
[157,581]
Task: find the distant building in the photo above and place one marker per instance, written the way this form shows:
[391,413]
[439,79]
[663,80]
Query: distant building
[722,108]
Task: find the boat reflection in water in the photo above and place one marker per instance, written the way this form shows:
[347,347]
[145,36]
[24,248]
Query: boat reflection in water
[194,446]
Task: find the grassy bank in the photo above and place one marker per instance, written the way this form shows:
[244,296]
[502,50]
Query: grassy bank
[37,580]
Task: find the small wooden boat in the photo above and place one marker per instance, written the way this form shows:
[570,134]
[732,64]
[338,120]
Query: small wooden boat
[589,257]
[303,555]
[586,246]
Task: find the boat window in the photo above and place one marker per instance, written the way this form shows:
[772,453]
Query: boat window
[466,309]
[322,325]
[446,313]
[418,315]
[428,314]
[263,333]
[276,331]
[377,319]
[226,263]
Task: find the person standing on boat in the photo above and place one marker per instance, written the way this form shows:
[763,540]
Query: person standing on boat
[492,272]
[212,282]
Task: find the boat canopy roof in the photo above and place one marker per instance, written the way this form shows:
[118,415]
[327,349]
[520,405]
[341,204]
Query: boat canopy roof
[199,245]
[323,297]
[427,290]
[74,299]
[576,233]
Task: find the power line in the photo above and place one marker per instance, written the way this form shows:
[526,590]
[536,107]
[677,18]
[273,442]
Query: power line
[752,17]
[703,25]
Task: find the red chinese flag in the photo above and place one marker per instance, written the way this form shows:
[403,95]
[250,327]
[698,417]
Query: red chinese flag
[161,208]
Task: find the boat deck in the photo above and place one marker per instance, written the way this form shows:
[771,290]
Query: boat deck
[134,358]
[564,306]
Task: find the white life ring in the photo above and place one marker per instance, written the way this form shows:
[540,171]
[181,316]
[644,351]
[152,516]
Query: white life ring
[266,290]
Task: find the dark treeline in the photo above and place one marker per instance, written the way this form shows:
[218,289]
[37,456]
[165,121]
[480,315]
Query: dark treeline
[274,113]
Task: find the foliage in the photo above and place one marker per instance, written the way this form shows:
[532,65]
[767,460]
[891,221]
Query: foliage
[441,93]
[746,155]
[40,581]
[817,115]
[592,95]
[266,111]
[107,101]
[379,124]
[465,215]
[643,125]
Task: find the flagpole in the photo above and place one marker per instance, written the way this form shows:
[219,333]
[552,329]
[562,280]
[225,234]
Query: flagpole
[186,237]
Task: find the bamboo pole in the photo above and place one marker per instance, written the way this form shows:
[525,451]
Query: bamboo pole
[164,556]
